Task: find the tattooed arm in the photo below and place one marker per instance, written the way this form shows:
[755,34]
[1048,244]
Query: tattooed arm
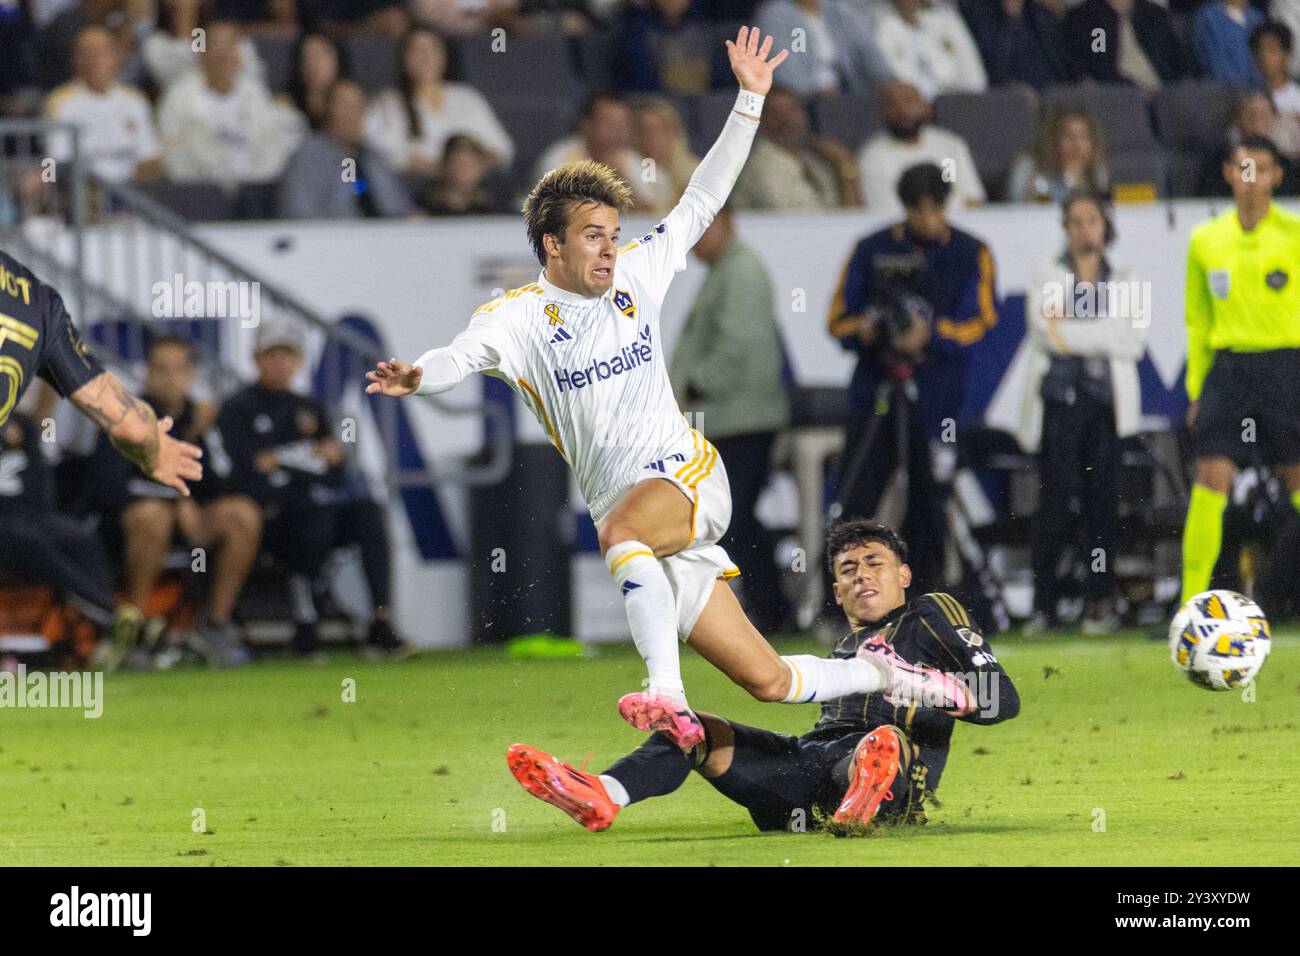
[137,433]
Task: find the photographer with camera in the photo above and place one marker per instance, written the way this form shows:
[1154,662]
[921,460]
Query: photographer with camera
[912,300]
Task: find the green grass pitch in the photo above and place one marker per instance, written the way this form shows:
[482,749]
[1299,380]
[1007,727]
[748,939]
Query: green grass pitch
[413,772]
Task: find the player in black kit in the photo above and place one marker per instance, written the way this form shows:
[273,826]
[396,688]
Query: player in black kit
[37,337]
[866,758]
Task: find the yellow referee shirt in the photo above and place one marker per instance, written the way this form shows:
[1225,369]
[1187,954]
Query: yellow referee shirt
[1243,289]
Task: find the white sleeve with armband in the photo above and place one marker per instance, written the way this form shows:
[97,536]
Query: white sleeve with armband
[663,253]
[477,349]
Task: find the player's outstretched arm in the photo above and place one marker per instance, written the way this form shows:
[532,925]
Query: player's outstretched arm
[394,379]
[753,64]
[750,60]
[138,434]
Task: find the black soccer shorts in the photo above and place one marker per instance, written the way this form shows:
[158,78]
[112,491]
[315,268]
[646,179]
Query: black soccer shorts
[1250,408]
[782,779]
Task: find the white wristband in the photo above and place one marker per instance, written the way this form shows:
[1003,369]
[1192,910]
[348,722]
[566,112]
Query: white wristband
[751,104]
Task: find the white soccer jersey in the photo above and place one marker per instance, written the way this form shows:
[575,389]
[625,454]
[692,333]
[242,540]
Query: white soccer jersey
[593,371]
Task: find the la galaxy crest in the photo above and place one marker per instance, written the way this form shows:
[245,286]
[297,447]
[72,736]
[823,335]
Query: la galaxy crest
[623,302]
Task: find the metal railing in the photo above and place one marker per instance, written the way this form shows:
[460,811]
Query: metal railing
[106,246]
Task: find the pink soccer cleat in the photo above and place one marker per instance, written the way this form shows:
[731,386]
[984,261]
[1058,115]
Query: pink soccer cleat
[648,711]
[913,684]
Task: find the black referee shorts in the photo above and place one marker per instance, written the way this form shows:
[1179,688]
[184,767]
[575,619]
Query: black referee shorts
[1250,408]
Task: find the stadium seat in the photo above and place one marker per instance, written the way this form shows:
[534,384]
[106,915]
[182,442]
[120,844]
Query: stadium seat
[373,58]
[1190,118]
[851,118]
[593,55]
[705,117]
[1130,171]
[534,122]
[277,55]
[192,201]
[1120,109]
[995,125]
[538,65]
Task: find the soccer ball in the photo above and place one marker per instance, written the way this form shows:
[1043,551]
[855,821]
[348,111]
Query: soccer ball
[1220,639]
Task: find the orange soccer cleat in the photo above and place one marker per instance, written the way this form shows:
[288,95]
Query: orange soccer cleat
[875,763]
[551,780]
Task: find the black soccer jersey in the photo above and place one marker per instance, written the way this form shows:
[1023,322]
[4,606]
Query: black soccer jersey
[37,337]
[934,631]
[258,419]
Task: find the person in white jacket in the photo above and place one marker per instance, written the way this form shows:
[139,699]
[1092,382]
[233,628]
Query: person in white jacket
[928,45]
[218,123]
[1087,322]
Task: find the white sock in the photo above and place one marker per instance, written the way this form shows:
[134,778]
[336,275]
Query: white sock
[820,678]
[651,613]
[617,792]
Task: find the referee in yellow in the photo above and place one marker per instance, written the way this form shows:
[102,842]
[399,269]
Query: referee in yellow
[1243,359]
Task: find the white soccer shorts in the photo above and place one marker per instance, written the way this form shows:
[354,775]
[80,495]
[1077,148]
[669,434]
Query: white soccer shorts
[697,469]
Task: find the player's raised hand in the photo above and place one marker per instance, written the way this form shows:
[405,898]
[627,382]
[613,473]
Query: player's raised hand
[394,378]
[749,60]
[178,461]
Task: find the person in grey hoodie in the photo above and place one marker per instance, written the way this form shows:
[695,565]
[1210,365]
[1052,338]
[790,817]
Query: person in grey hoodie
[335,175]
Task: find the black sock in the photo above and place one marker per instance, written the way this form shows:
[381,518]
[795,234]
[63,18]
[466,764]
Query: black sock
[655,768]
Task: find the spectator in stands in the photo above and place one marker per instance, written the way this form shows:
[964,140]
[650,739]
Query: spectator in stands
[42,543]
[410,126]
[335,174]
[58,35]
[659,135]
[1271,44]
[18,50]
[840,52]
[1140,45]
[605,135]
[1287,13]
[927,44]
[1019,42]
[346,16]
[218,122]
[116,125]
[667,46]
[172,49]
[281,451]
[1087,325]
[792,171]
[141,518]
[1067,155]
[459,189]
[318,62]
[912,301]
[1220,40]
[726,370]
[260,16]
[907,139]
[460,17]
[1252,115]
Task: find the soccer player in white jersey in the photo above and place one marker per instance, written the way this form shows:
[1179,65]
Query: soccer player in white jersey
[581,347]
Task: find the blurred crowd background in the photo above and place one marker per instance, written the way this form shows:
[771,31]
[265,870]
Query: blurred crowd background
[906,109]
